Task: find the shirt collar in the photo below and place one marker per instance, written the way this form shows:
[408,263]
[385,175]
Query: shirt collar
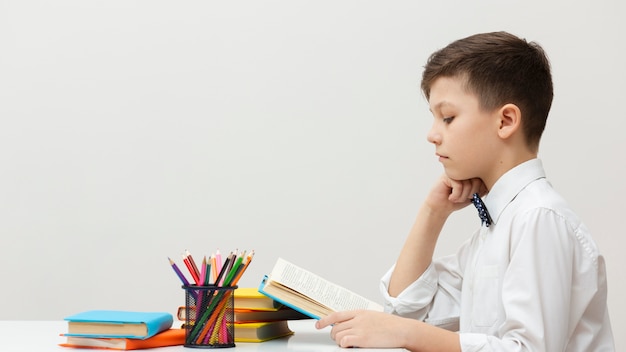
[510,185]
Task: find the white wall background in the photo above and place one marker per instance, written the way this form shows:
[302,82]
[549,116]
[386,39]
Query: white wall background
[132,130]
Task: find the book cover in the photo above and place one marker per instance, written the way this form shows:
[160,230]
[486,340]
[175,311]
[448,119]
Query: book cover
[116,323]
[251,298]
[309,293]
[261,331]
[170,337]
[294,304]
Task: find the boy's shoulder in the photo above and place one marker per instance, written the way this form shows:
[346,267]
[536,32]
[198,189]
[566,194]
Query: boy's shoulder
[525,189]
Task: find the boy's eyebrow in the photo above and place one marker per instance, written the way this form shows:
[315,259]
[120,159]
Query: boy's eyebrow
[441,104]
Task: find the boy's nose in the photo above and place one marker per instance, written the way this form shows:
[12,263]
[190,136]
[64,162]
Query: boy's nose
[433,136]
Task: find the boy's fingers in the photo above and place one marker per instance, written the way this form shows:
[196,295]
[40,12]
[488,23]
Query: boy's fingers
[328,320]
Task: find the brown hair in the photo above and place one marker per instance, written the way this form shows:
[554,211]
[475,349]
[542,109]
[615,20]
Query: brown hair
[499,68]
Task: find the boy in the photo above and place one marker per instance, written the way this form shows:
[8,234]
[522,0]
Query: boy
[531,278]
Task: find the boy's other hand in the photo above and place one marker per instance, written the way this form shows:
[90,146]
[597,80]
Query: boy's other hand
[365,328]
[449,195]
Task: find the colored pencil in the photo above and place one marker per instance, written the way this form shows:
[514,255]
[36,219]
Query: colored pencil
[219,277]
[207,272]
[215,265]
[243,268]
[203,272]
[193,263]
[191,270]
[178,272]
[210,323]
[233,270]
[218,261]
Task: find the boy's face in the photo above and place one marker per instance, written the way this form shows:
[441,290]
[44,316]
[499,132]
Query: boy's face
[462,133]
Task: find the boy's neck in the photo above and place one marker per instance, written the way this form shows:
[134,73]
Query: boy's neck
[504,164]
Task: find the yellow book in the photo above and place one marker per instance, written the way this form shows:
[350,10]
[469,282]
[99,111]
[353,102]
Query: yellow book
[251,299]
[261,331]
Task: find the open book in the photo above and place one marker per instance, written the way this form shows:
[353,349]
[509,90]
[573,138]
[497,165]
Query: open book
[310,294]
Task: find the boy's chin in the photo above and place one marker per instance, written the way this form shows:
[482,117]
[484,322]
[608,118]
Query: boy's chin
[457,176]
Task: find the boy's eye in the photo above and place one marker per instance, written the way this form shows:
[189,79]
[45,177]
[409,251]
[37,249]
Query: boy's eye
[447,119]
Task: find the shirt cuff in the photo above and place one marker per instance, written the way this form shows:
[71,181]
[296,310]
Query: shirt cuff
[413,299]
[472,342]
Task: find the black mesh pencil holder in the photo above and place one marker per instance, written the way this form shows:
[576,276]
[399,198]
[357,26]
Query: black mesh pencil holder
[209,316]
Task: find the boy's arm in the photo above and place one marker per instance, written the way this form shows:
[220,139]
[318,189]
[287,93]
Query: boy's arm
[445,197]
[417,252]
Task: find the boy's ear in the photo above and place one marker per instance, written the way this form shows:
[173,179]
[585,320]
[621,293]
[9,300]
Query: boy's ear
[510,120]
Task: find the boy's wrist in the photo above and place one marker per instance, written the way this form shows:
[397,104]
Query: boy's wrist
[435,214]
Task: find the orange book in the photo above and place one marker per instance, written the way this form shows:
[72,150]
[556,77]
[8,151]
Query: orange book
[171,337]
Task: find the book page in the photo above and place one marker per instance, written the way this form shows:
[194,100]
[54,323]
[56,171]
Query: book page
[319,289]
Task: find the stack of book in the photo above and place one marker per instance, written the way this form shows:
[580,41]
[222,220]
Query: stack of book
[121,330]
[257,318]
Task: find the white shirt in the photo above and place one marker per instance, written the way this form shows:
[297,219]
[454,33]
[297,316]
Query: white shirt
[532,281]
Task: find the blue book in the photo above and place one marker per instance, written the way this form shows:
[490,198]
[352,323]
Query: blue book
[118,324]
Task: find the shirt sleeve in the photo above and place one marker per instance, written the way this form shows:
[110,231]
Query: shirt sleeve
[433,298]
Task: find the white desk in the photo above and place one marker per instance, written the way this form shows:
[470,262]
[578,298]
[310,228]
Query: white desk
[43,336]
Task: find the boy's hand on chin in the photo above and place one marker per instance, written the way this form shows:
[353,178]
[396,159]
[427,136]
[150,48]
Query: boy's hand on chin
[450,195]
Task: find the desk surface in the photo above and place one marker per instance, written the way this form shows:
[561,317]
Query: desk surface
[43,336]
